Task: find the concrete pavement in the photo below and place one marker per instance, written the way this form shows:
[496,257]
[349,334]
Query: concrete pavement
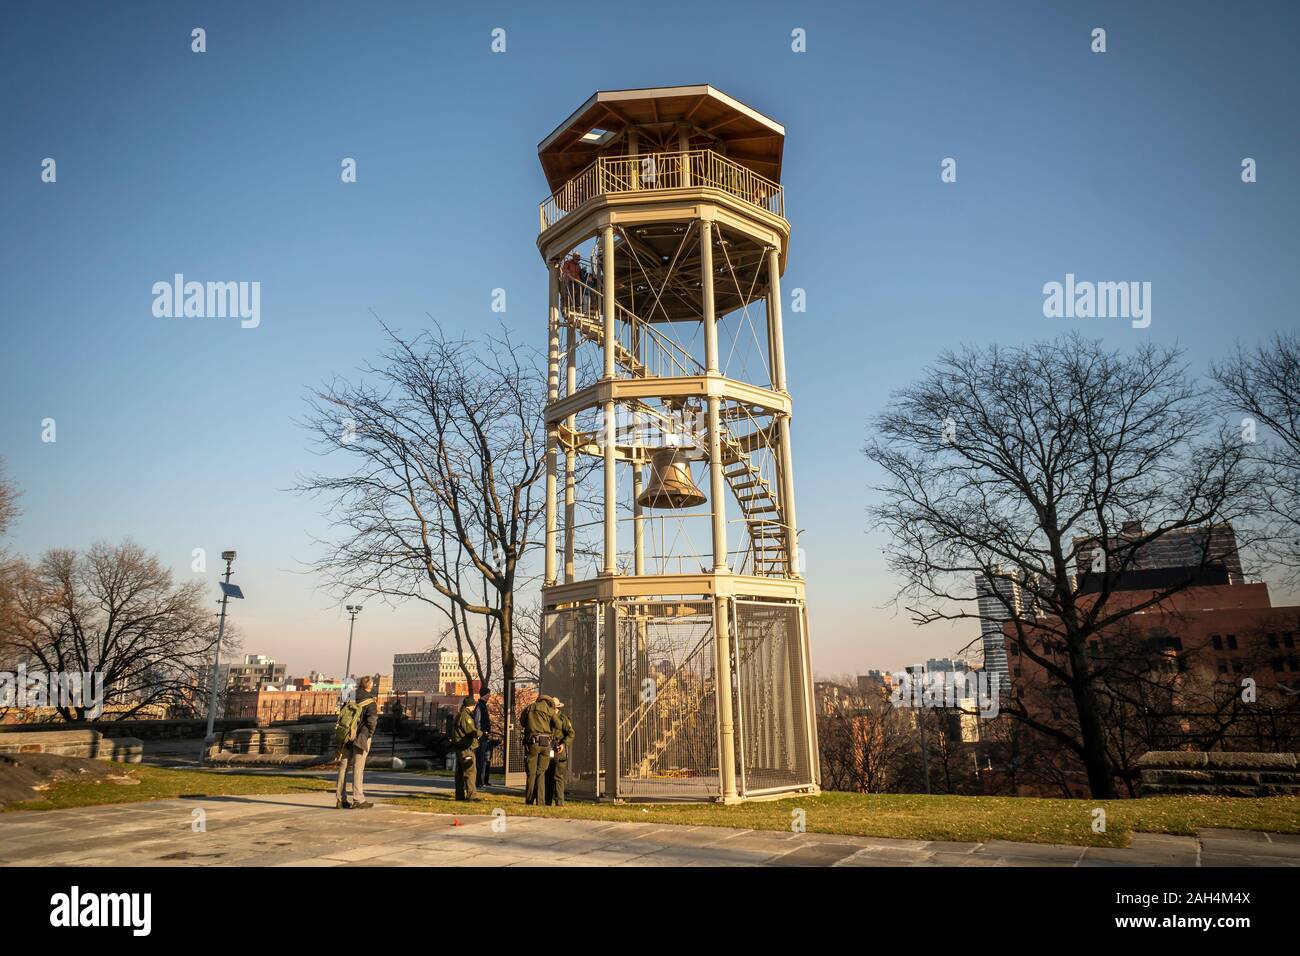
[306,830]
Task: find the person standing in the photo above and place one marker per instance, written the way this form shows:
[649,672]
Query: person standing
[572,276]
[540,729]
[356,750]
[464,738]
[483,721]
[557,775]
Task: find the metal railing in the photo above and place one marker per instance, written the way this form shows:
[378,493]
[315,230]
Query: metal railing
[640,348]
[653,171]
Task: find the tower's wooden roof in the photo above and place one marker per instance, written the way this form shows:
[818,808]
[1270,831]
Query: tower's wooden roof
[713,118]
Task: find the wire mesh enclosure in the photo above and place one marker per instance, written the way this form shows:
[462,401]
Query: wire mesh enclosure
[571,671]
[771,709]
[667,707]
[667,717]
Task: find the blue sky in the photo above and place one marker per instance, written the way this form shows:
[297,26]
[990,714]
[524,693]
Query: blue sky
[225,166]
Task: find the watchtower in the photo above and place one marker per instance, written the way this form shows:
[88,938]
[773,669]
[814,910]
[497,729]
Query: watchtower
[674,622]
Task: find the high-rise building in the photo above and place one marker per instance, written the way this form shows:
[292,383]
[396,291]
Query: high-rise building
[430,671]
[255,673]
[1202,556]
[1000,599]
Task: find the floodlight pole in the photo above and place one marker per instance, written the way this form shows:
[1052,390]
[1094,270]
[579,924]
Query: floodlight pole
[353,610]
[216,657]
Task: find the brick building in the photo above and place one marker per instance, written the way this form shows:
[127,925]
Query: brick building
[1214,666]
[273,706]
[1220,631]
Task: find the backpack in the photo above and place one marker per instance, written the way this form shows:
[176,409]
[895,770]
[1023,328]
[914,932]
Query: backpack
[347,724]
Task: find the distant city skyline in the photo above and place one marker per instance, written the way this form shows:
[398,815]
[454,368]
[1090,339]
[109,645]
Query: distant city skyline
[182,432]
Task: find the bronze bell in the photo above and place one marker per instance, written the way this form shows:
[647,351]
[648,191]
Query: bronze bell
[670,482]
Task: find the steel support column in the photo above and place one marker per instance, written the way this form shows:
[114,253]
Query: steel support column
[721,630]
[552,433]
[783,426]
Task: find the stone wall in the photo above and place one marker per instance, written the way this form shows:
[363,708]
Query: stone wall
[140,729]
[1165,772]
[305,738]
[74,743]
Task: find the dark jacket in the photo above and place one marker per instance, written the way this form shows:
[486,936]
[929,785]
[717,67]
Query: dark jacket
[483,721]
[465,735]
[369,717]
[539,718]
[566,734]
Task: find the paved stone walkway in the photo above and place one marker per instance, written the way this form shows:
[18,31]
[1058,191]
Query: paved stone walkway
[306,830]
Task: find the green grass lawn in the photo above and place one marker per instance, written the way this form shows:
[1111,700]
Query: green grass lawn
[157,783]
[919,817]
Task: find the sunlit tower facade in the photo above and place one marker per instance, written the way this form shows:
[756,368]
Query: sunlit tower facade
[674,619]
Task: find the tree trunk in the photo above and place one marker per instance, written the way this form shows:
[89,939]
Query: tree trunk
[507,622]
[1101,779]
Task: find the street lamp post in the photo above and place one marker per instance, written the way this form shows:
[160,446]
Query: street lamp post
[228,591]
[354,610]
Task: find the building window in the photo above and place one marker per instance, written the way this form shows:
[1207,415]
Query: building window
[1238,667]
[1272,640]
[1232,642]
[1223,667]
[1288,639]
[1217,642]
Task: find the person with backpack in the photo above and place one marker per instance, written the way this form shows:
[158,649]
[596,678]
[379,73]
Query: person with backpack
[356,725]
[540,728]
[465,735]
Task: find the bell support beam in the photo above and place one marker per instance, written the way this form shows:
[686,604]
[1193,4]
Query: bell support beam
[625,390]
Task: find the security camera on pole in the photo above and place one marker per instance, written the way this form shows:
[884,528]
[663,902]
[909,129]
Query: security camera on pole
[228,591]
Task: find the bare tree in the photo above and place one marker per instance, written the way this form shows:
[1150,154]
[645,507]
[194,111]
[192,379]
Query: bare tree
[865,743]
[1011,463]
[528,642]
[10,576]
[8,502]
[1265,385]
[113,610]
[440,504]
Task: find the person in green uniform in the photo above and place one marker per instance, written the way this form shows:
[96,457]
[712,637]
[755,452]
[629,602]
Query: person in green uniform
[540,728]
[557,775]
[464,738]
